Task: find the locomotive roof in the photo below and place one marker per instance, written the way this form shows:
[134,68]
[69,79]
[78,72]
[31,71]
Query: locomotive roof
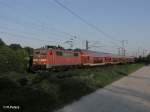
[61,49]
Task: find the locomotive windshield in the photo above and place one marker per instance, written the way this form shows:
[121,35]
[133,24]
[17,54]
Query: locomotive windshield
[40,52]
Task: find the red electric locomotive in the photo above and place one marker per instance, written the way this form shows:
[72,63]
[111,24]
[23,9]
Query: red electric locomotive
[46,58]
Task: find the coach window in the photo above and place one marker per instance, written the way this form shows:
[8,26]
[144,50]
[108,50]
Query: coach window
[59,53]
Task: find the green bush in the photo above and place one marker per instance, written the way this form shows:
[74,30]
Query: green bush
[29,99]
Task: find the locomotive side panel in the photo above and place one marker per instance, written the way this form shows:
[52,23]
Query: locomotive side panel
[62,57]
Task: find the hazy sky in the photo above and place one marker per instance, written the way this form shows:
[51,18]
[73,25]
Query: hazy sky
[39,22]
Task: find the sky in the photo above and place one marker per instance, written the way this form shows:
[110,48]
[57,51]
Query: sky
[37,23]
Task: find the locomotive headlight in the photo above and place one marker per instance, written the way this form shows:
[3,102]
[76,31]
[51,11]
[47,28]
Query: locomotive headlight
[35,59]
[42,59]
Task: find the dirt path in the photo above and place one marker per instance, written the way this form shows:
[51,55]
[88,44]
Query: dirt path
[130,94]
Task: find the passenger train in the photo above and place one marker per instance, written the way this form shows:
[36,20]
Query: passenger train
[54,57]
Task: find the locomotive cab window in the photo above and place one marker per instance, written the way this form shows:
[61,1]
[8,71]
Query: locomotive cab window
[40,52]
[36,52]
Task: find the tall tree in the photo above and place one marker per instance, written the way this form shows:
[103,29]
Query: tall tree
[1,42]
[29,50]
